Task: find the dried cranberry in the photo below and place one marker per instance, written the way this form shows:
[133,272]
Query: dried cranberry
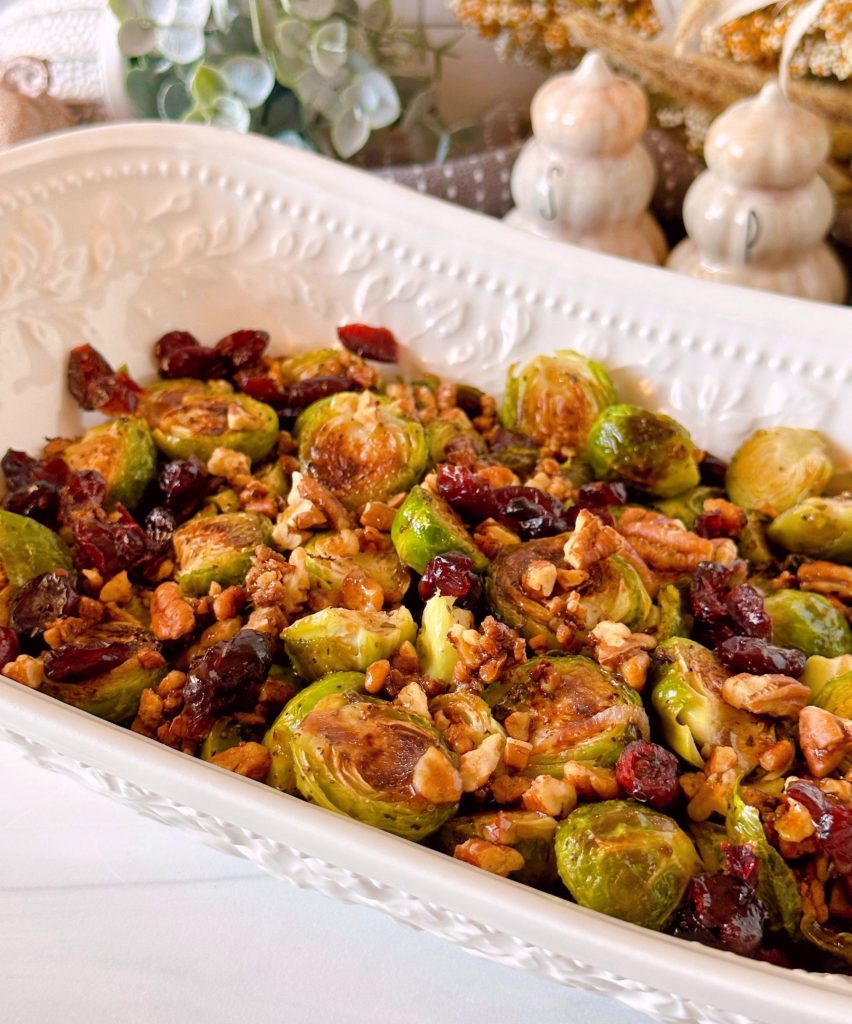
[713,471]
[44,598]
[465,492]
[159,529]
[9,646]
[598,496]
[109,545]
[469,400]
[723,911]
[647,772]
[243,348]
[530,511]
[84,492]
[219,677]
[173,342]
[742,862]
[72,663]
[722,610]
[711,525]
[95,385]
[33,485]
[833,821]
[179,354]
[747,613]
[451,574]
[184,484]
[758,658]
[118,395]
[290,399]
[369,342]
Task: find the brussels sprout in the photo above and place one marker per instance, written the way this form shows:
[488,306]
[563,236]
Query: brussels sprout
[327,570]
[437,655]
[647,449]
[687,507]
[518,452]
[443,434]
[162,396]
[282,772]
[218,548]
[322,362]
[275,479]
[776,883]
[359,756]
[808,621]
[27,549]
[529,832]
[226,500]
[204,422]
[671,621]
[779,467]
[341,640]
[462,712]
[686,695]
[123,452]
[555,399]
[226,733]
[625,860]
[613,591]
[708,837]
[752,543]
[836,696]
[830,940]
[819,671]
[579,712]
[425,526]
[819,527]
[115,694]
[359,448]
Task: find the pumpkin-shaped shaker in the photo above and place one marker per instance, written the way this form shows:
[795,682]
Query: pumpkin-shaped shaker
[759,214]
[585,177]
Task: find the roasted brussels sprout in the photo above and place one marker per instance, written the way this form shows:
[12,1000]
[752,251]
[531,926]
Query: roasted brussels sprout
[341,640]
[625,860]
[218,548]
[578,711]
[670,614]
[27,549]
[437,655]
[647,449]
[808,621]
[555,399]
[687,507]
[752,542]
[327,569]
[425,526]
[323,362]
[686,695]
[836,696]
[359,448]
[203,422]
[777,468]
[282,772]
[519,453]
[529,832]
[164,395]
[375,762]
[226,733]
[123,452]
[112,694]
[613,590]
[819,527]
[443,435]
[820,671]
[463,718]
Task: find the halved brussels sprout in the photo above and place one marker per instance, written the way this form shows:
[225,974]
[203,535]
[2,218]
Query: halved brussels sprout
[463,719]
[327,570]
[836,696]
[27,549]
[226,733]
[321,362]
[647,449]
[830,940]
[686,695]
[359,448]
[819,527]
[625,860]
[671,619]
[529,832]
[808,621]
[425,526]
[687,507]
[163,395]
[708,837]
[204,422]
[777,468]
[443,434]
[752,543]
[282,772]
[437,655]
[521,454]
[578,711]
[341,640]
[819,671]
[375,762]
[123,452]
[113,695]
[218,548]
[555,399]
[613,590]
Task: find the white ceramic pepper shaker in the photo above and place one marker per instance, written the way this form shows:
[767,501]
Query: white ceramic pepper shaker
[760,213]
[585,176]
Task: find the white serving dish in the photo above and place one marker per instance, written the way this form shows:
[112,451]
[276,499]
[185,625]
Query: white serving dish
[113,235]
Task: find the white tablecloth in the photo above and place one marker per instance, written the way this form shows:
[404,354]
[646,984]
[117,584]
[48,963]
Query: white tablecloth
[106,917]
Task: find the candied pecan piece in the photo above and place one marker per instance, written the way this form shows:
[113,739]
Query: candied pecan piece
[249,759]
[712,789]
[556,797]
[825,740]
[171,616]
[273,581]
[477,766]
[621,651]
[492,857]
[485,653]
[662,543]
[591,782]
[775,695]
[24,669]
[436,778]
[826,578]
[591,541]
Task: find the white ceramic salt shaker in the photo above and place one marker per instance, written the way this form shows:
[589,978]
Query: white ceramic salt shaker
[759,214]
[585,176]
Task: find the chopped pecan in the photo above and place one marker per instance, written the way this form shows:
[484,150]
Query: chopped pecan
[492,857]
[436,778]
[591,782]
[118,589]
[539,578]
[413,699]
[812,888]
[24,669]
[272,580]
[621,651]
[591,541]
[231,465]
[778,696]
[485,653]
[517,725]
[478,765]
[664,544]
[556,797]
[507,789]
[149,716]
[826,578]
[249,759]
[491,537]
[777,759]
[825,740]
[321,498]
[516,754]
[171,616]
[229,602]
[548,478]
[377,674]
[712,789]
[361,593]
[793,822]
[378,515]
[733,518]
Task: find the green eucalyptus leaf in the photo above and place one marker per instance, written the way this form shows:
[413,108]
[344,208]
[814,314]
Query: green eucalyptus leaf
[136,38]
[192,13]
[349,133]
[161,12]
[251,78]
[290,56]
[230,112]
[141,86]
[328,47]
[310,10]
[207,85]
[375,98]
[322,94]
[181,44]
[173,101]
[196,116]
